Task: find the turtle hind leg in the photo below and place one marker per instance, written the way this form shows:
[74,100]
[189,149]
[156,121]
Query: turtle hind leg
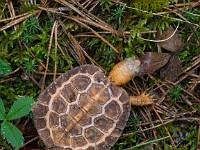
[141,100]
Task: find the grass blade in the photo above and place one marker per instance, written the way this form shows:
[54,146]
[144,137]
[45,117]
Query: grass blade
[145,143]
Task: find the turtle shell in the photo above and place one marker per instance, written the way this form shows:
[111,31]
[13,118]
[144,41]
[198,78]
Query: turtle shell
[81,110]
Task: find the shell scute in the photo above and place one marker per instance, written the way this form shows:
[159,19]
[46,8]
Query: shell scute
[81,82]
[76,112]
[116,91]
[76,130]
[78,141]
[40,123]
[101,78]
[66,122]
[99,93]
[111,140]
[44,98]
[44,134]
[92,134]
[124,98]
[59,105]
[53,119]
[52,88]
[90,69]
[60,137]
[103,123]
[40,111]
[89,105]
[49,142]
[103,146]
[69,93]
[113,110]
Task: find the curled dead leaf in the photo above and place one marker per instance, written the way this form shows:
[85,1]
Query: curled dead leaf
[153,61]
[173,44]
[172,69]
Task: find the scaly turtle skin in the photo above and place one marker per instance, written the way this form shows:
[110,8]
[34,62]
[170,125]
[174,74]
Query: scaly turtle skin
[81,110]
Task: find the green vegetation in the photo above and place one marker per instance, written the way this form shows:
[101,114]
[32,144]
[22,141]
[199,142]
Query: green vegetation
[38,41]
[175,93]
[10,132]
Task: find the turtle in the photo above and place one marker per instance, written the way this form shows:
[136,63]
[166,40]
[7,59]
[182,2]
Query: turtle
[85,110]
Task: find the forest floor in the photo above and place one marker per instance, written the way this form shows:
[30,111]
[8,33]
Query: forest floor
[41,39]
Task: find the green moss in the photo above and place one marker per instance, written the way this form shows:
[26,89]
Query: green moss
[150,5]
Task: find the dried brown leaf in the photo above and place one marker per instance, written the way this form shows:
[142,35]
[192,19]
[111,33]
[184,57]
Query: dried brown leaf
[172,69]
[153,61]
[173,44]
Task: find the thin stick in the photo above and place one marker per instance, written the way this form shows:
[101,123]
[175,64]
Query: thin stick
[172,142]
[48,54]
[56,47]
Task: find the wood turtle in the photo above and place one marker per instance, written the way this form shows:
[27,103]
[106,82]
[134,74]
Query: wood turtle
[84,110]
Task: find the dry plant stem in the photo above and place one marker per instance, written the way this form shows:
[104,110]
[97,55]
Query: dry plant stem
[65,3]
[12,11]
[14,17]
[154,131]
[147,129]
[32,78]
[56,47]
[48,54]
[92,60]
[90,34]
[140,128]
[172,141]
[10,7]
[93,31]
[178,14]
[30,141]
[185,6]
[155,122]
[43,3]
[69,48]
[90,16]
[6,80]
[158,85]
[97,24]
[192,34]
[144,114]
[82,13]
[51,74]
[190,72]
[59,47]
[14,22]
[97,2]
[198,138]
[77,48]
[81,49]
[12,72]
[158,14]
[162,109]
[136,88]
[82,24]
